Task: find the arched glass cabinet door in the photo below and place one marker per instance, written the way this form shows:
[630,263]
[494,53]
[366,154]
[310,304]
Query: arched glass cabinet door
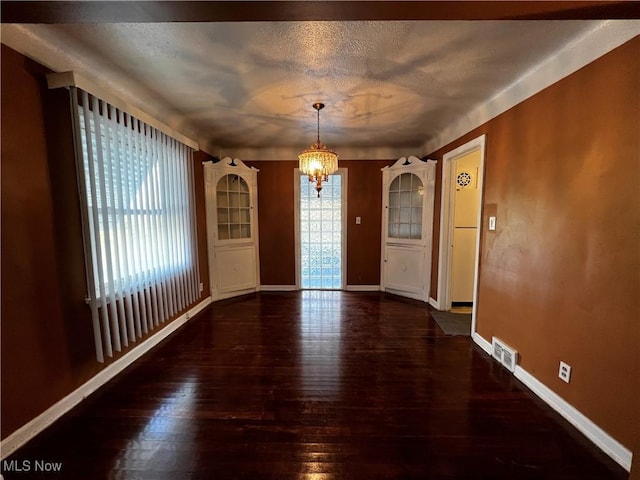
[233,202]
[406,193]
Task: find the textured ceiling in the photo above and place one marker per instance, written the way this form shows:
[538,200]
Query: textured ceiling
[252,84]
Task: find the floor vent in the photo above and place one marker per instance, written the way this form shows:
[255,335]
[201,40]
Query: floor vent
[504,354]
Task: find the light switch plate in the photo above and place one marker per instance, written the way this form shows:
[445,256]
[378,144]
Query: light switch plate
[358,220]
[492,223]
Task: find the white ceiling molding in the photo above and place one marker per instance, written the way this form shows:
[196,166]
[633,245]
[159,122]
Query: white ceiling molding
[603,38]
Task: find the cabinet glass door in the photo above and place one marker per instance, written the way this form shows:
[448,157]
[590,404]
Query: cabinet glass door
[405,207]
[233,208]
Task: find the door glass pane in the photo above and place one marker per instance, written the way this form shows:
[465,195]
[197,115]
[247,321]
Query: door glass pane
[321,234]
[405,207]
[394,199]
[416,198]
[416,216]
[405,182]
[234,213]
[222,198]
[223,216]
[394,215]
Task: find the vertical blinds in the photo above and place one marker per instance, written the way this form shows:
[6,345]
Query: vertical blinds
[138,205]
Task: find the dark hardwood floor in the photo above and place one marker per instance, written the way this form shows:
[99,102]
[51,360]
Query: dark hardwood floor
[319,386]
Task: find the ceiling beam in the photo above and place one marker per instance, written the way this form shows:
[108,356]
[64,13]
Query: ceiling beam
[51,12]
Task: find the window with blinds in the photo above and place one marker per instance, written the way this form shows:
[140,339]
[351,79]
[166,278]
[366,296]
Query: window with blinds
[137,191]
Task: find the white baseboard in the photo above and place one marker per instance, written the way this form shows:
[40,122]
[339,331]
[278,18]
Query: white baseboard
[278,288]
[363,288]
[216,295]
[403,293]
[291,288]
[602,439]
[53,413]
[486,346]
[599,437]
[434,303]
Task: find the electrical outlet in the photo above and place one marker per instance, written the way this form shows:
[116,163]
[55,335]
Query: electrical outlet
[565,372]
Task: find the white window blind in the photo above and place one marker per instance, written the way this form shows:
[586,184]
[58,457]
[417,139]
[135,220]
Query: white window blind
[137,194]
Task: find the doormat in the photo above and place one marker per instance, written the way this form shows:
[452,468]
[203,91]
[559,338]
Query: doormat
[453,323]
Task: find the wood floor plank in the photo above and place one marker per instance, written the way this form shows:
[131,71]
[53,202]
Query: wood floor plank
[315,385]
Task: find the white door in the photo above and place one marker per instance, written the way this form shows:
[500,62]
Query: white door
[407,225]
[465,226]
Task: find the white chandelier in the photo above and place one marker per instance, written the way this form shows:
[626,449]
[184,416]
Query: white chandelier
[318,162]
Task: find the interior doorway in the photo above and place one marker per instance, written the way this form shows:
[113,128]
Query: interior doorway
[464,228]
[460,217]
[320,232]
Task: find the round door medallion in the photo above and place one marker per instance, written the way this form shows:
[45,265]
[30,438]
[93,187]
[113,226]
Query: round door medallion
[463,179]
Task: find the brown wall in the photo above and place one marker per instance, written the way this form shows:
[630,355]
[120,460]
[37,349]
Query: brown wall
[277,228]
[201,218]
[47,342]
[635,465]
[275,222]
[364,200]
[560,276]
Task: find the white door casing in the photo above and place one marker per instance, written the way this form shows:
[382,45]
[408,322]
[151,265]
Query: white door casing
[447,221]
[407,227]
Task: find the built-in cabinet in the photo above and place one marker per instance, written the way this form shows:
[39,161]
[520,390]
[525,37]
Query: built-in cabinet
[232,227]
[407,227]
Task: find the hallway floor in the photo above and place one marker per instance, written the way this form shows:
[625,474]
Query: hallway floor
[318,385]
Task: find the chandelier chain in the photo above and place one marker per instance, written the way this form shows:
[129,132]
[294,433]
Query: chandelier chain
[318,162]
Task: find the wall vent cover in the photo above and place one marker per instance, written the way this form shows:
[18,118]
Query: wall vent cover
[504,354]
[463,179]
